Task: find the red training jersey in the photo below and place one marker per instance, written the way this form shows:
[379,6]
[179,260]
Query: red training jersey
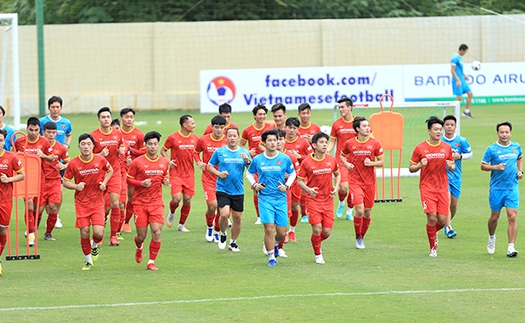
[22,144]
[91,172]
[113,140]
[298,145]
[356,152]
[60,152]
[433,177]
[310,130]
[253,135]
[209,128]
[154,169]
[181,152]
[9,164]
[207,145]
[135,140]
[318,173]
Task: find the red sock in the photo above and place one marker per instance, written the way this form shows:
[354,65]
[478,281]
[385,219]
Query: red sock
[431,233]
[323,237]
[129,212]
[358,227]
[96,239]
[30,221]
[366,225]
[256,203]
[216,222]
[302,203]
[3,241]
[154,248]
[114,221]
[51,221]
[209,219]
[341,196]
[184,212]
[294,218]
[86,246]
[121,220]
[139,245]
[173,206]
[438,226]
[316,244]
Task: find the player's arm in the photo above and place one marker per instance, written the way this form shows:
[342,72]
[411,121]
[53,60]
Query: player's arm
[331,144]
[243,142]
[380,161]
[519,163]
[251,179]
[414,167]
[69,137]
[454,75]
[107,176]
[20,175]
[337,179]
[488,167]
[72,186]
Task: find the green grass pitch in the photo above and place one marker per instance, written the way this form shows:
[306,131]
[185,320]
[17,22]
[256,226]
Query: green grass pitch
[392,280]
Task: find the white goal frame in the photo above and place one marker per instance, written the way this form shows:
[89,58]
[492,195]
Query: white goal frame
[13,18]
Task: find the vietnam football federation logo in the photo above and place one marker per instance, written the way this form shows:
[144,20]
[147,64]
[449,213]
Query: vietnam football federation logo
[221,90]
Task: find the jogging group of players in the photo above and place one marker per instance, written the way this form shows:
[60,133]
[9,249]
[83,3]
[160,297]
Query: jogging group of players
[120,172]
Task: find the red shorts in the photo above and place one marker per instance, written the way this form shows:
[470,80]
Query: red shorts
[51,192]
[343,171]
[321,212]
[210,190]
[146,214]
[362,194]
[123,189]
[114,183]
[5,213]
[182,185]
[435,202]
[296,192]
[87,216]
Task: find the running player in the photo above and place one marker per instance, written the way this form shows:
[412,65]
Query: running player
[460,150]
[359,156]
[182,173]
[88,174]
[11,170]
[432,157]
[315,178]
[504,160]
[225,110]
[460,79]
[110,145]
[207,144]
[228,164]
[272,168]
[9,130]
[147,174]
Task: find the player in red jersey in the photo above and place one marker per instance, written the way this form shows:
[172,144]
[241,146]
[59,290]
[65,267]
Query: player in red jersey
[182,173]
[51,191]
[359,156]
[206,145]
[123,160]
[279,116]
[11,170]
[34,144]
[252,136]
[315,178]
[91,173]
[342,130]
[432,157]
[147,174]
[110,144]
[225,110]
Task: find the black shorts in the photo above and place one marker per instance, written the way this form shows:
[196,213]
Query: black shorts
[235,202]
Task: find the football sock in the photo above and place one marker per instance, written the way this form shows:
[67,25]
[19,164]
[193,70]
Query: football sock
[209,219]
[271,254]
[342,197]
[323,236]
[294,218]
[3,240]
[154,247]
[86,246]
[438,227]
[184,213]
[137,244]
[129,212]
[97,240]
[173,206]
[316,243]
[216,222]
[114,221]
[366,225]
[292,228]
[431,233]
[303,205]
[50,223]
[358,225]
[31,221]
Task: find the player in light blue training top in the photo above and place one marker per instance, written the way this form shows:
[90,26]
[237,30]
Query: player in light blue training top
[64,128]
[228,164]
[460,150]
[10,130]
[276,174]
[460,79]
[504,160]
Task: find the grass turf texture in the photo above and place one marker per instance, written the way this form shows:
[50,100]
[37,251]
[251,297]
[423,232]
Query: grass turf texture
[393,279]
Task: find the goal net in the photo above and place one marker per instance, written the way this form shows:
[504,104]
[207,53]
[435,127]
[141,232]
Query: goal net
[9,69]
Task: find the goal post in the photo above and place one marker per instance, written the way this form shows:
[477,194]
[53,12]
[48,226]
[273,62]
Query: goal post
[10,69]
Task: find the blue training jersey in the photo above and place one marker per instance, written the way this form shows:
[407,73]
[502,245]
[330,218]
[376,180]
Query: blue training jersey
[271,172]
[10,132]
[497,154]
[459,145]
[231,161]
[63,128]
[457,61]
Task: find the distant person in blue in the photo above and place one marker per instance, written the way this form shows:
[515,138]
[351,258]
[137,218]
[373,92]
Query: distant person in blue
[276,174]
[460,150]
[10,130]
[228,163]
[459,82]
[64,130]
[504,160]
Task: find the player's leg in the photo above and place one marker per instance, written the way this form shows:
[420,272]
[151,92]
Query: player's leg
[176,197]
[188,191]
[237,208]
[52,215]
[141,226]
[316,239]
[5,218]
[512,203]
[224,203]
[128,210]
[357,199]
[114,219]
[211,210]
[281,221]
[122,202]
[496,203]
[30,220]
[256,202]
[155,243]
[85,243]
[343,191]
[368,201]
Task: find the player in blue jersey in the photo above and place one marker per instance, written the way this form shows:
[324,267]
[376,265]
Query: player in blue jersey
[228,163]
[64,130]
[9,130]
[460,79]
[276,174]
[460,150]
[504,161]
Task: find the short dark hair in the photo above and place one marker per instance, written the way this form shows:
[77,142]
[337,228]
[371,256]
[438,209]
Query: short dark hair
[3,132]
[225,108]
[272,132]
[259,107]
[184,118]
[218,120]
[506,123]
[304,106]
[347,101]
[293,121]
[278,106]
[54,99]
[126,110]
[463,47]
[33,121]
[50,125]
[450,117]
[281,132]
[152,135]
[318,136]
[103,109]
[231,128]
[115,122]
[432,120]
[357,122]
[2,109]
[85,136]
